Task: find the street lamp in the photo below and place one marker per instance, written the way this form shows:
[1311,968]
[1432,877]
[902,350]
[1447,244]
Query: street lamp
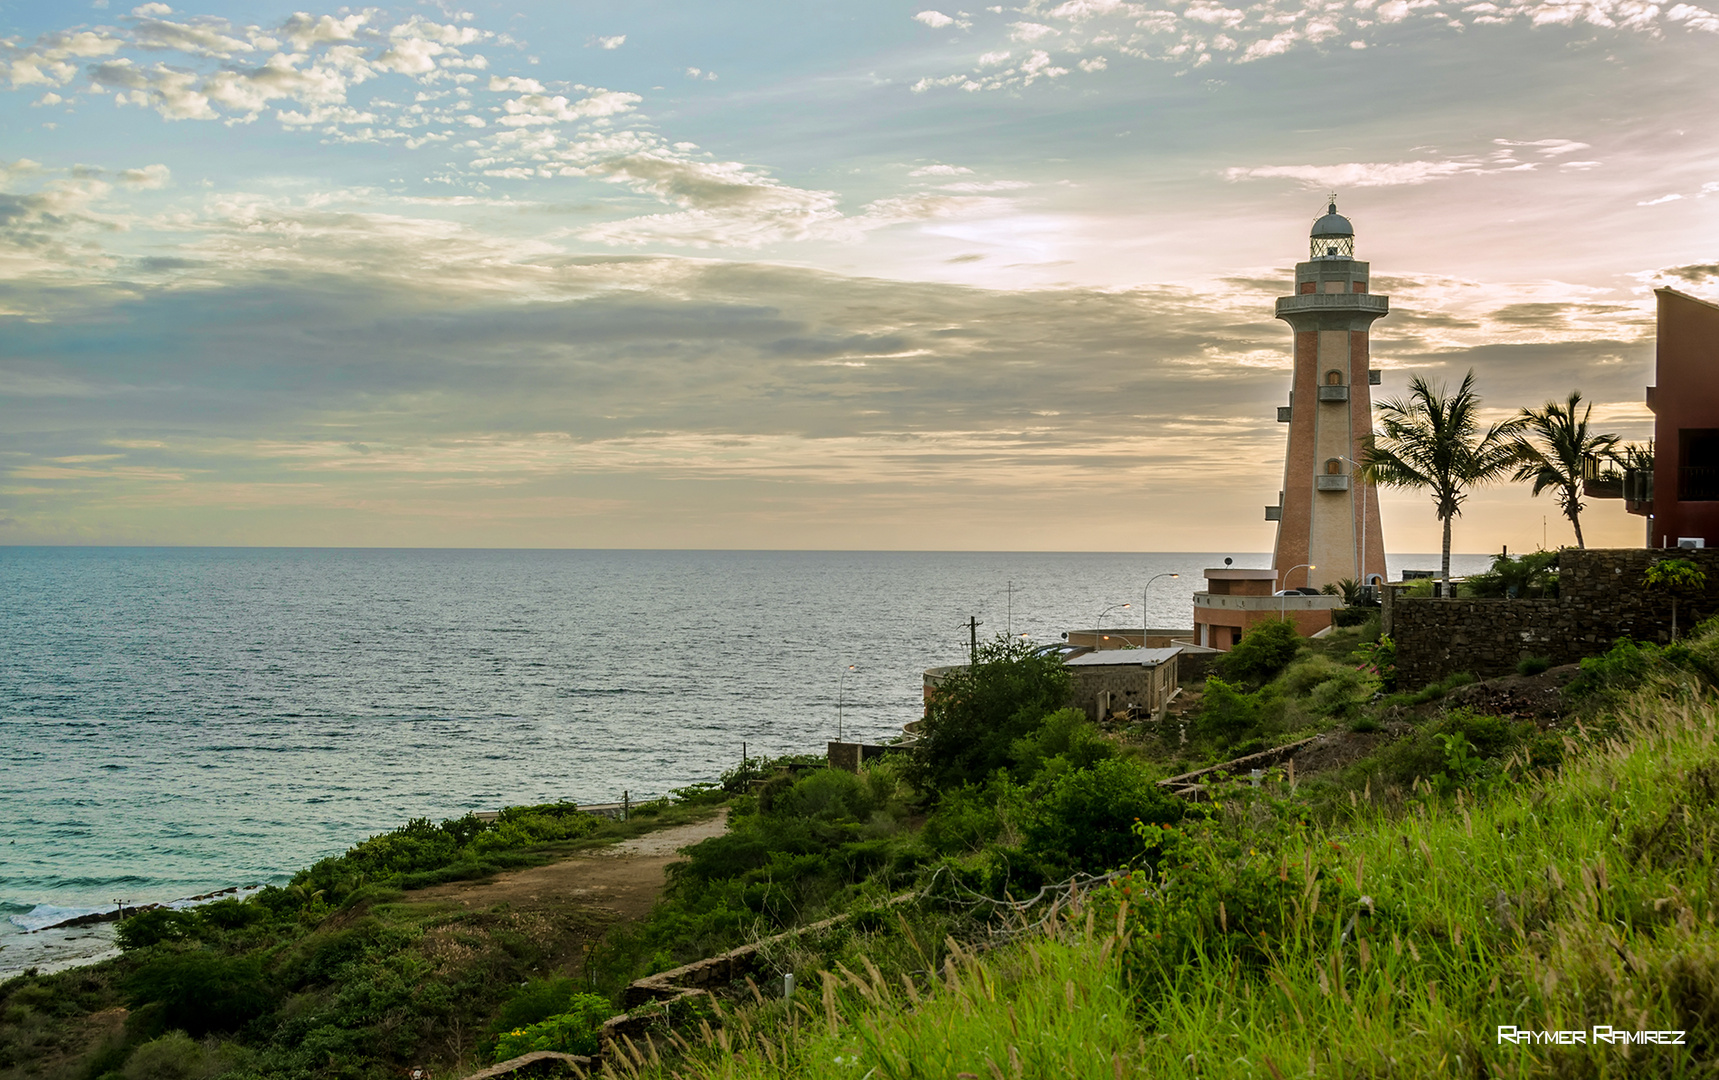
[1362,561]
[841,694]
[1099,623]
[1285,589]
[1143,614]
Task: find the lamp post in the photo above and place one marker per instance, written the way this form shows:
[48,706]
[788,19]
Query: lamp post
[1285,588]
[1143,614]
[1099,623]
[1361,563]
[841,695]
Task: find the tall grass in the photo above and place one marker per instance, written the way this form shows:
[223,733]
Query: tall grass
[1394,943]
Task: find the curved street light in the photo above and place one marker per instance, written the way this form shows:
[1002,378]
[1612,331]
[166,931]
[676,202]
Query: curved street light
[841,694]
[1098,624]
[1360,480]
[1281,592]
[1143,593]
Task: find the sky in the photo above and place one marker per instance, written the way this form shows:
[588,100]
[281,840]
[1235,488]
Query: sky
[806,275]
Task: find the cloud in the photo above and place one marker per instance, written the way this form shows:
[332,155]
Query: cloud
[147,178]
[203,37]
[1210,31]
[1694,273]
[941,170]
[305,32]
[611,42]
[934,19]
[20,167]
[544,109]
[1674,197]
[794,403]
[1357,174]
[513,83]
[1547,147]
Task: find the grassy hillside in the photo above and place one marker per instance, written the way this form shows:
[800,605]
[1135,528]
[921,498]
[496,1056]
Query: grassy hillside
[1455,870]
[1392,942]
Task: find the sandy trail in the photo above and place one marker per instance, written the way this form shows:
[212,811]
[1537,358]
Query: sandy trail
[626,878]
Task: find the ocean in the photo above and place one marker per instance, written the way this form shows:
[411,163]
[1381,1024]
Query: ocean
[179,720]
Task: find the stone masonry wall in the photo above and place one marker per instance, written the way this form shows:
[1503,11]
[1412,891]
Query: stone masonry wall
[1125,683]
[1600,599]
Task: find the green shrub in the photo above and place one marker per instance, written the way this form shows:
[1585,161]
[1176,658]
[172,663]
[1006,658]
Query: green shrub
[1085,819]
[1215,901]
[538,1000]
[572,1031]
[201,991]
[1066,734]
[1353,616]
[1533,665]
[155,926]
[174,1056]
[1533,575]
[1462,747]
[1261,654]
[966,818]
[1228,714]
[1629,665]
[1378,658]
[975,717]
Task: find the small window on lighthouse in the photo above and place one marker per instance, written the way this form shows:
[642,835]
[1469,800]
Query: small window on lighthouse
[1333,467]
[1333,378]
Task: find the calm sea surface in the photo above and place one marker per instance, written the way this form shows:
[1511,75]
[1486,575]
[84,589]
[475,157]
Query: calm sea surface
[178,720]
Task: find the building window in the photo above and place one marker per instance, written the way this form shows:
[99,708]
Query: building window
[1333,378]
[1235,636]
[1698,465]
[1333,467]
[1306,287]
[1359,286]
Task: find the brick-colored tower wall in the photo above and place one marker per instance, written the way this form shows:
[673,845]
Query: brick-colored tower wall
[1297,523]
[1369,529]
[1340,532]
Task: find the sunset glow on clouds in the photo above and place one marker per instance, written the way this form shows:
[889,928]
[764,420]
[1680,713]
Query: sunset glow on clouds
[818,276]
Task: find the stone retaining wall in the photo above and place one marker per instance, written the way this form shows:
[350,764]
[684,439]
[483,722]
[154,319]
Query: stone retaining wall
[1191,785]
[1601,598]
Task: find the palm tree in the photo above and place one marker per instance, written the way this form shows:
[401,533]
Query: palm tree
[1551,448]
[1431,440]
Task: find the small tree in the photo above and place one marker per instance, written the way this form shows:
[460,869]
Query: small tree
[974,718]
[1551,451]
[1678,579]
[1264,652]
[1433,440]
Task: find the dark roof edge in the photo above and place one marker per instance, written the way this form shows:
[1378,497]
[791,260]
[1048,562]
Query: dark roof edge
[1686,296]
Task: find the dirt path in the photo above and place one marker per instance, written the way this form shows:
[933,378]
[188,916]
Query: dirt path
[626,878]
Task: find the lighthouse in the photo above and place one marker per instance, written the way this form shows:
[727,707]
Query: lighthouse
[1327,519]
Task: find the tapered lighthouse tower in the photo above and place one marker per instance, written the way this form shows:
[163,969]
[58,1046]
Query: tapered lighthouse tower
[1326,517]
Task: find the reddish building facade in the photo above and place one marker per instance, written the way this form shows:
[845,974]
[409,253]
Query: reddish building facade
[1685,404]
[1678,492]
[1236,600]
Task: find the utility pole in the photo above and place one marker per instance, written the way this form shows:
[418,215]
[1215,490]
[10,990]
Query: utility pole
[973,625]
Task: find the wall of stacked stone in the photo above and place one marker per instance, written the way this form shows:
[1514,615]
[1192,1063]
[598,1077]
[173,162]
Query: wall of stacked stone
[1147,687]
[1601,597]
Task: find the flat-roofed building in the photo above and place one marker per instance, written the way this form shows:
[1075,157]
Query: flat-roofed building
[1236,600]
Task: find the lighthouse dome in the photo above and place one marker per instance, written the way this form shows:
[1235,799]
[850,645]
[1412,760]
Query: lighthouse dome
[1333,224]
[1333,237]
